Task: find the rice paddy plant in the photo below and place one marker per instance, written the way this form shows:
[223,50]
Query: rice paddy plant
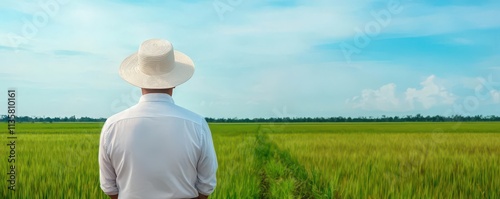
[55,166]
[313,160]
[237,175]
[59,160]
[374,164]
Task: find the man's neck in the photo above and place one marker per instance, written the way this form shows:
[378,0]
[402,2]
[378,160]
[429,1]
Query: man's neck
[167,91]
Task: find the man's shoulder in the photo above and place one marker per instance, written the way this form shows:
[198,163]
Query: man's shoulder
[116,117]
[174,111]
[189,115]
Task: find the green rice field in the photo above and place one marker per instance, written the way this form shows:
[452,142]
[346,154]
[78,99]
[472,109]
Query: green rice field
[278,160]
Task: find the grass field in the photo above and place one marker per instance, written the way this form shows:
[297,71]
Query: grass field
[313,160]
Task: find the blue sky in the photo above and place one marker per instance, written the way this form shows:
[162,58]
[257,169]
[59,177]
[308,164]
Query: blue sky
[272,58]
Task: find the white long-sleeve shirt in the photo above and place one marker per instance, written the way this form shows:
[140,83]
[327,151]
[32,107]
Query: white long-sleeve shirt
[157,149]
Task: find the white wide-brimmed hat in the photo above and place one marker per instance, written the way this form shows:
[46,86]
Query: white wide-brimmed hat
[157,65]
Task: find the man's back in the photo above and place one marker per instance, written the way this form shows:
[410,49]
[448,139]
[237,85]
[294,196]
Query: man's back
[156,149]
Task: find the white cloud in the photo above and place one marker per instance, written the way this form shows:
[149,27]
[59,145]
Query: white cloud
[431,94]
[383,98]
[495,95]
[386,97]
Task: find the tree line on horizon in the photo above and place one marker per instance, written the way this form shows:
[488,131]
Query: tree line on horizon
[383,118]
[73,118]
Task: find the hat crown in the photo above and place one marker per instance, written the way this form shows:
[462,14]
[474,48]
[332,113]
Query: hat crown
[156,57]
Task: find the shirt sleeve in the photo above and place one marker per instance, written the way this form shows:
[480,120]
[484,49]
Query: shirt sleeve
[207,163]
[107,175]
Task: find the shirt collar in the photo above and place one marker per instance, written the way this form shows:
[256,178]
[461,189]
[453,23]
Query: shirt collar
[156,97]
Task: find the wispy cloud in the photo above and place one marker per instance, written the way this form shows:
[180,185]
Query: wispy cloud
[495,94]
[71,53]
[421,19]
[264,54]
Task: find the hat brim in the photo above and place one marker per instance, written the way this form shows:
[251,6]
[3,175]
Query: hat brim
[182,71]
